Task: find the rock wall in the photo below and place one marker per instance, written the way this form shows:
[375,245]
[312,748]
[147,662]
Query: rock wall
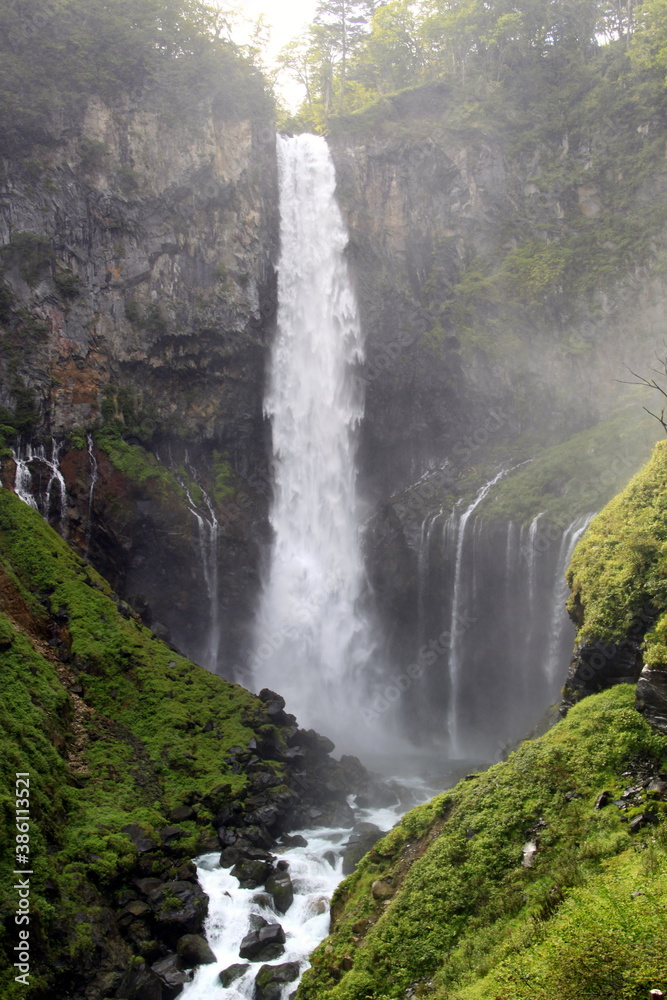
[138,300]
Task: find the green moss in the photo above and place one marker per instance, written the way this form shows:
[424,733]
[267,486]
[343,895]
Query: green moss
[225,482]
[150,730]
[578,476]
[618,573]
[463,903]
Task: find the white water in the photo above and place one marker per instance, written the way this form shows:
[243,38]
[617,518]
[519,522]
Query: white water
[24,486]
[208,531]
[306,922]
[554,664]
[312,636]
[455,659]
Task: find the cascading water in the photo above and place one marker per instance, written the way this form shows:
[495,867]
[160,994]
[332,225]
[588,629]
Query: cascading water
[313,638]
[458,528]
[40,496]
[491,605]
[208,530]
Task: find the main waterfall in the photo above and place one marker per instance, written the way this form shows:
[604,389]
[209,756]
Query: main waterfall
[312,634]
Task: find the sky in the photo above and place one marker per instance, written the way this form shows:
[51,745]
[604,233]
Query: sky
[287,18]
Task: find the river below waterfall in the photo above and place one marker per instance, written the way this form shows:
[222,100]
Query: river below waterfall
[315,870]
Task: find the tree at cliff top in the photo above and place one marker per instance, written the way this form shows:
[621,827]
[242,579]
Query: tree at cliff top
[56,53]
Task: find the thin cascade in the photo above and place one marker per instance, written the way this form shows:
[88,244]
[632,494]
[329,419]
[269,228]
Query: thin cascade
[23,486]
[313,637]
[531,555]
[55,476]
[455,642]
[208,533]
[94,475]
[554,663]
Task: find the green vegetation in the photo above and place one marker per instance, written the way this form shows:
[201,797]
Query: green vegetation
[617,574]
[578,476]
[463,918]
[149,731]
[55,54]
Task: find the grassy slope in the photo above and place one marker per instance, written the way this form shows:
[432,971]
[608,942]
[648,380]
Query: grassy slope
[129,749]
[465,919]
[618,572]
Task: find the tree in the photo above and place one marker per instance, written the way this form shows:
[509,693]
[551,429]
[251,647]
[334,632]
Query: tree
[341,24]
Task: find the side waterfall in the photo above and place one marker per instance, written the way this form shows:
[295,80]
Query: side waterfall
[494,637]
[46,472]
[312,635]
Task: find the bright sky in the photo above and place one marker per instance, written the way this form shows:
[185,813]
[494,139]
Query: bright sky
[286,18]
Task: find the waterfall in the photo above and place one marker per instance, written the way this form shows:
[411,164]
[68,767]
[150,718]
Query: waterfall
[23,480]
[41,498]
[491,604]
[208,531]
[455,642]
[91,488]
[312,635]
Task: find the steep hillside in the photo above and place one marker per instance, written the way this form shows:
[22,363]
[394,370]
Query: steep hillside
[544,877]
[137,760]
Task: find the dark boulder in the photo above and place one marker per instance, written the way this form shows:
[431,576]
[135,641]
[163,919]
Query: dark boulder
[263,945]
[365,835]
[139,837]
[139,983]
[279,884]
[251,874]
[173,976]
[652,697]
[194,950]
[179,907]
[232,973]
[271,979]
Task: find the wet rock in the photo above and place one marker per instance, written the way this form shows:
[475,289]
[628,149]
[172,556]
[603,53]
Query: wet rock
[148,885]
[179,907]
[294,841]
[232,973]
[279,885]
[194,950]
[172,974]
[364,836]
[603,799]
[139,983]
[657,787]
[271,979]
[651,699]
[251,874]
[257,921]
[263,945]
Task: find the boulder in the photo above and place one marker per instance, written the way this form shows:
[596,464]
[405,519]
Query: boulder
[173,976]
[279,885]
[139,837]
[232,973]
[251,874]
[179,906]
[180,813]
[263,945]
[381,890]
[652,697]
[270,980]
[139,983]
[194,950]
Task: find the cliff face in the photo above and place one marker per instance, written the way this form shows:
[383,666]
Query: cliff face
[501,304]
[137,299]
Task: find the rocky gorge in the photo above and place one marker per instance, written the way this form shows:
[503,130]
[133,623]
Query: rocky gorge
[505,278]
